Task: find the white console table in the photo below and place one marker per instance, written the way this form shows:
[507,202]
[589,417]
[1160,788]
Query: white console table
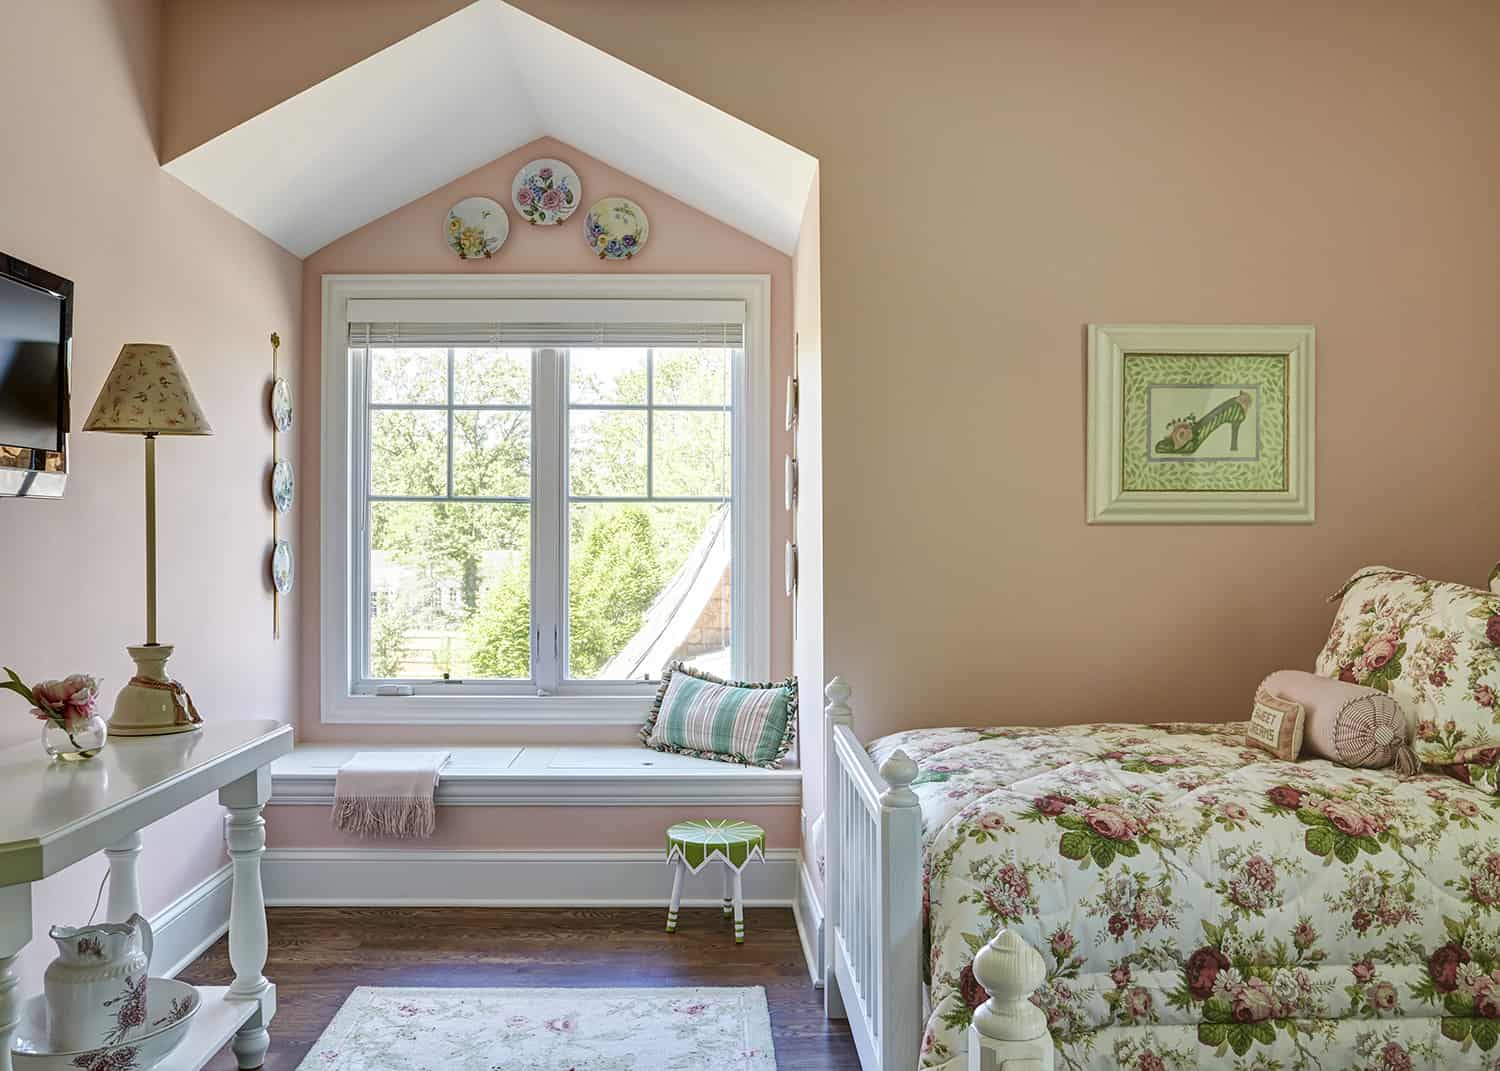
[56,813]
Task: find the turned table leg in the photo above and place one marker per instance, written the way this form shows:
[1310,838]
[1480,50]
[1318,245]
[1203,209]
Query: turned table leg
[248,937]
[15,934]
[124,881]
[728,890]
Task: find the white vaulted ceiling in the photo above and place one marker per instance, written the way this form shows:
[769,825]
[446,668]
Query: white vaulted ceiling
[456,95]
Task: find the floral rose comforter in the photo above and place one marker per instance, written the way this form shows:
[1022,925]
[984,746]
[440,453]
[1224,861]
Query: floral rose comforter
[1203,904]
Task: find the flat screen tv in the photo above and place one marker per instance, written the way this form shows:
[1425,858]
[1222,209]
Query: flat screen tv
[36,334]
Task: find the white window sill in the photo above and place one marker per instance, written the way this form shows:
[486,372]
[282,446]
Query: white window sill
[554,777]
[489,709]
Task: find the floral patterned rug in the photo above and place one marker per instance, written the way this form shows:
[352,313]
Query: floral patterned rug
[705,1029]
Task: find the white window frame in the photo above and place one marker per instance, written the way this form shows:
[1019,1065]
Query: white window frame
[492,702]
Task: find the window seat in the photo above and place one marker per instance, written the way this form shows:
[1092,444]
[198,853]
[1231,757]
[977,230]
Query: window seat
[589,776]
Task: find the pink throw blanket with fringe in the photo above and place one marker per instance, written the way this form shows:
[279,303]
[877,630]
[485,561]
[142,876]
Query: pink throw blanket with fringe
[388,793]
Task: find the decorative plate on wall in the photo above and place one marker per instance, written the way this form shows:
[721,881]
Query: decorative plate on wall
[283,485]
[546,192]
[616,228]
[281,405]
[477,227]
[281,566]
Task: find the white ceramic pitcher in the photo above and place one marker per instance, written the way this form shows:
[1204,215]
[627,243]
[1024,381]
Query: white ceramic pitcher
[96,987]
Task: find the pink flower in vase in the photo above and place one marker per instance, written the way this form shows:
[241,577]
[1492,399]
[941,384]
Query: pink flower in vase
[72,699]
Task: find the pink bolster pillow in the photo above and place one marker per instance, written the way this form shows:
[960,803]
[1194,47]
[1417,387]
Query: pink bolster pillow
[1347,723]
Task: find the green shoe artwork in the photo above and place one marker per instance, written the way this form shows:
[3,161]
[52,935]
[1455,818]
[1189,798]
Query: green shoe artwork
[1186,434]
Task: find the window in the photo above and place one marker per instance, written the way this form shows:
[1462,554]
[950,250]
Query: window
[544,501]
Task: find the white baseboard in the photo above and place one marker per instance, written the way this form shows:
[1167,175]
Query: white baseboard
[808,912]
[185,928]
[392,877]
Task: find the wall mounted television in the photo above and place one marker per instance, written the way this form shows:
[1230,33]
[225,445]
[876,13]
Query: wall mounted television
[36,336]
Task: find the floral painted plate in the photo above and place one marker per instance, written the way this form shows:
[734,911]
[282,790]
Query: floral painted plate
[281,404]
[281,566]
[170,1007]
[546,192]
[616,228]
[477,227]
[283,485]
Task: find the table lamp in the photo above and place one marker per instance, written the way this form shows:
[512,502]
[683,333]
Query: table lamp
[147,393]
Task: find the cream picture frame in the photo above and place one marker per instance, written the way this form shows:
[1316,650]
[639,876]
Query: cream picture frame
[1152,459]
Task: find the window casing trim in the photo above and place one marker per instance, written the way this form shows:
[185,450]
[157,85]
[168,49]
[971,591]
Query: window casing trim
[586,702]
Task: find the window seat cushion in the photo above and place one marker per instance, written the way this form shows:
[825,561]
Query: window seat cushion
[554,776]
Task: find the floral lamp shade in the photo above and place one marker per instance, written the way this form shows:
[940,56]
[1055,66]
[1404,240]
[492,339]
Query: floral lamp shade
[147,393]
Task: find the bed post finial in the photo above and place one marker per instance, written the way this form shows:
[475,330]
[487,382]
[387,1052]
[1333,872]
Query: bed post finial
[1008,1029]
[899,772]
[838,694]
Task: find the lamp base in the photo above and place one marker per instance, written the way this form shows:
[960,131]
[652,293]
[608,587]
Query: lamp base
[145,707]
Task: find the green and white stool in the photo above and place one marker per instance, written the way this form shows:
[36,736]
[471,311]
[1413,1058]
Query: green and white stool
[691,845]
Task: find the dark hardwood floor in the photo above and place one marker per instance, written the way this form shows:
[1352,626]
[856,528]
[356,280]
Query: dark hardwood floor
[319,955]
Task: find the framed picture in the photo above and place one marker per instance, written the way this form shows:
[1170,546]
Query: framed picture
[1200,425]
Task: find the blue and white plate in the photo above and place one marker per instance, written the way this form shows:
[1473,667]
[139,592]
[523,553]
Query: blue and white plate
[616,228]
[281,566]
[283,485]
[546,192]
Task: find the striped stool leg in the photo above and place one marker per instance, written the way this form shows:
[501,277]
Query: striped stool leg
[728,890]
[739,910]
[676,896]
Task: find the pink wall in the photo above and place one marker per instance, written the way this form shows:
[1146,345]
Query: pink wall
[410,240]
[83,196]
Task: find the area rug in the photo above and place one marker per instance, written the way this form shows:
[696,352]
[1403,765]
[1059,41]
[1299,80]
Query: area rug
[705,1029]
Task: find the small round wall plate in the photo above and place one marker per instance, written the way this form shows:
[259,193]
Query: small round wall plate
[477,227]
[281,566]
[546,192]
[616,228]
[283,486]
[281,404]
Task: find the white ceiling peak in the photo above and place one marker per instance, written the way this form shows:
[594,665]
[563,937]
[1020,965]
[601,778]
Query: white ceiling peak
[420,114]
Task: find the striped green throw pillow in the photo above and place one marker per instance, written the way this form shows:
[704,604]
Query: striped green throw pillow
[698,714]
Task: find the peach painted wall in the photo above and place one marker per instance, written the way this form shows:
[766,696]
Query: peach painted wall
[994,177]
[410,240]
[82,195]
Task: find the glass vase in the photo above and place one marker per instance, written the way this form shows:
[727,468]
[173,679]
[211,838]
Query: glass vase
[76,740]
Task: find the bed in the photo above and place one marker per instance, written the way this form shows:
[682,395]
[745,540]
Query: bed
[1156,898]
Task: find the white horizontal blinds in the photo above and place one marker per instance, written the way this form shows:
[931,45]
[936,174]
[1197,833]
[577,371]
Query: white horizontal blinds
[539,335]
[546,323]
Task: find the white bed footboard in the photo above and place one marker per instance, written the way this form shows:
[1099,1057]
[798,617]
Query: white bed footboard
[873,883]
[873,923]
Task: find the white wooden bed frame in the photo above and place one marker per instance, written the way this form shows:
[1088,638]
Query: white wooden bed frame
[873,921]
